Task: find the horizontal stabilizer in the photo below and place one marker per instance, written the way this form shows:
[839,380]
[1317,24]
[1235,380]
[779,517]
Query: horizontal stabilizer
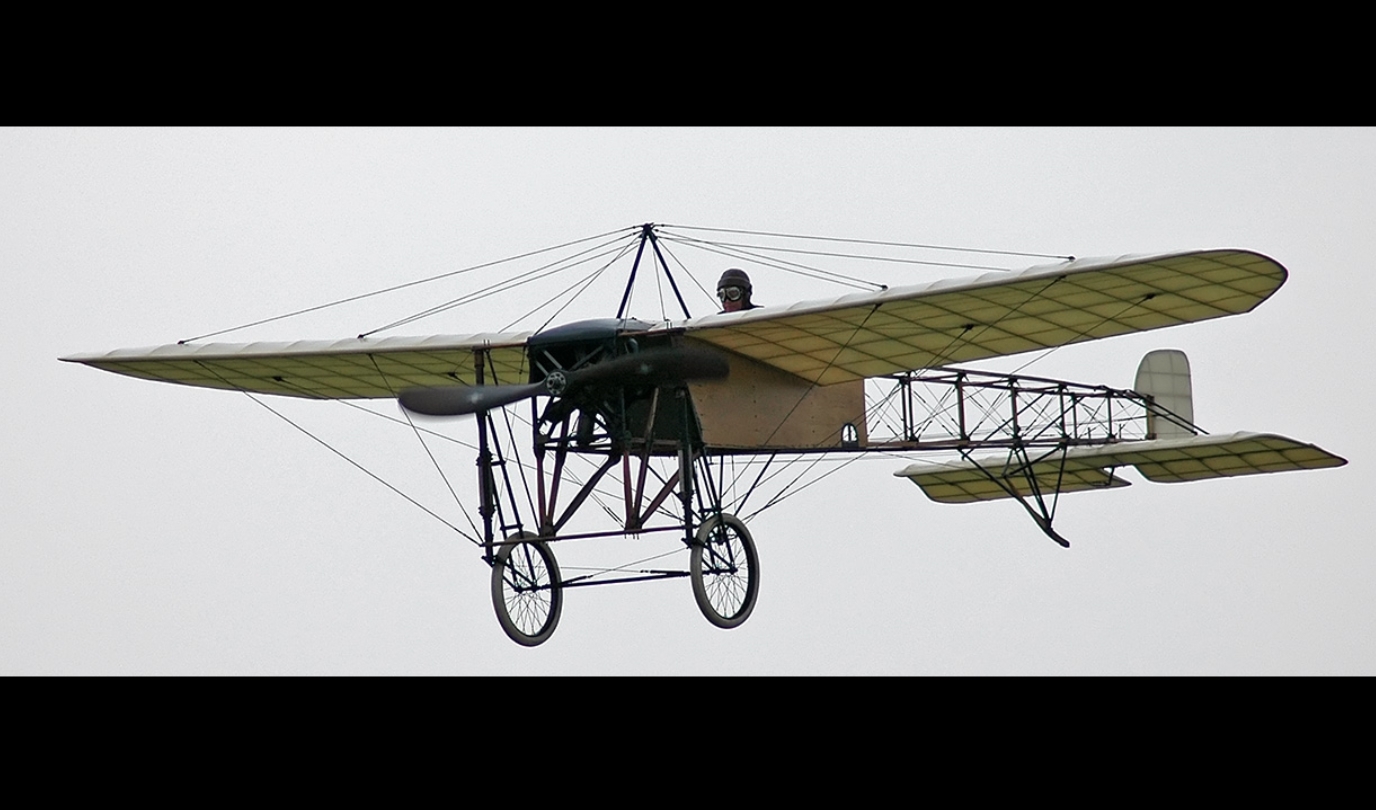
[1192,458]
[993,478]
[1199,457]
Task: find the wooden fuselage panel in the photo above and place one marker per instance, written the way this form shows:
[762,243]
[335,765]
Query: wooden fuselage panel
[760,407]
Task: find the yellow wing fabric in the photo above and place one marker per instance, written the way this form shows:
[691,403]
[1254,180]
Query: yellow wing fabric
[356,368]
[994,479]
[946,322]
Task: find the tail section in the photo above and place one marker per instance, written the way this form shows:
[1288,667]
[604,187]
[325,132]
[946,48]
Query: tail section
[1174,450]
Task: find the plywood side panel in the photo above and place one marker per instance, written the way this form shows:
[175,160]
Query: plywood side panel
[758,406]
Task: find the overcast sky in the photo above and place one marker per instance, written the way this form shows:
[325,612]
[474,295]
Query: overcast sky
[157,529]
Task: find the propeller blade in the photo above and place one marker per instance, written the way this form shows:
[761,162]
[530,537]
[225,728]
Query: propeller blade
[654,366]
[650,367]
[460,400]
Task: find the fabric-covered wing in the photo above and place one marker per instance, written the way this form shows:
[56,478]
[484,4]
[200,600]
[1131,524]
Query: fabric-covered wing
[933,325]
[345,369]
[1193,458]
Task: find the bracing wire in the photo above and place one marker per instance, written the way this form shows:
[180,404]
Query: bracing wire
[585,282]
[741,252]
[874,242]
[341,454]
[397,287]
[500,287]
[806,271]
[426,447]
[365,470]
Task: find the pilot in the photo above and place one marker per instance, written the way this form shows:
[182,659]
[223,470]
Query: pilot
[734,291]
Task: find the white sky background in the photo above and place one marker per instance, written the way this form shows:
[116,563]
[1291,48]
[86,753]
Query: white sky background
[157,529]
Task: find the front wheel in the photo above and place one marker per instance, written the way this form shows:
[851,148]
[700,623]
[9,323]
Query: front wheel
[724,570]
[526,592]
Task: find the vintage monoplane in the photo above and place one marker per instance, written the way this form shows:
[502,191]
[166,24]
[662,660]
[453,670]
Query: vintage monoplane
[693,414]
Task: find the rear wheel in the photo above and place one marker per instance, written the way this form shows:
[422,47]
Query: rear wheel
[725,571]
[526,592]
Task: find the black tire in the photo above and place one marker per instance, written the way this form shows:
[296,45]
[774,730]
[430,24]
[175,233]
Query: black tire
[526,592]
[725,571]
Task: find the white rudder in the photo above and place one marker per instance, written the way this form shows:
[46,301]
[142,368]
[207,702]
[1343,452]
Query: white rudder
[1164,375]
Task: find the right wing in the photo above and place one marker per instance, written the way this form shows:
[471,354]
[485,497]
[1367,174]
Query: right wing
[956,321]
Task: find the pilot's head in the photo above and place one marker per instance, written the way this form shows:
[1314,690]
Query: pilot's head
[734,290]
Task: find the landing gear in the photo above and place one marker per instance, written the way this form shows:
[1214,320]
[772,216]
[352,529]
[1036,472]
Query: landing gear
[630,409]
[725,571]
[526,591]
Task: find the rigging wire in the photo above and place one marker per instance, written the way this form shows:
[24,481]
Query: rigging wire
[874,242]
[807,271]
[780,264]
[891,259]
[404,423]
[373,358]
[788,491]
[340,453]
[500,287]
[586,281]
[396,287]
[365,470]
[738,505]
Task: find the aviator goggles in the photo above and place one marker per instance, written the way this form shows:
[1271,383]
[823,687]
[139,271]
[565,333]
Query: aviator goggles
[731,293]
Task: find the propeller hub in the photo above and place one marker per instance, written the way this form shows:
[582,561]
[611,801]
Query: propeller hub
[556,382]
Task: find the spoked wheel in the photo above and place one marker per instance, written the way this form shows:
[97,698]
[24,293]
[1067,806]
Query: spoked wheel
[725,571]
[526,591]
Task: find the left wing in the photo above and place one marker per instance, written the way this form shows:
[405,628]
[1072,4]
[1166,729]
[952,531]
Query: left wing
[355,368]
[933,325]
